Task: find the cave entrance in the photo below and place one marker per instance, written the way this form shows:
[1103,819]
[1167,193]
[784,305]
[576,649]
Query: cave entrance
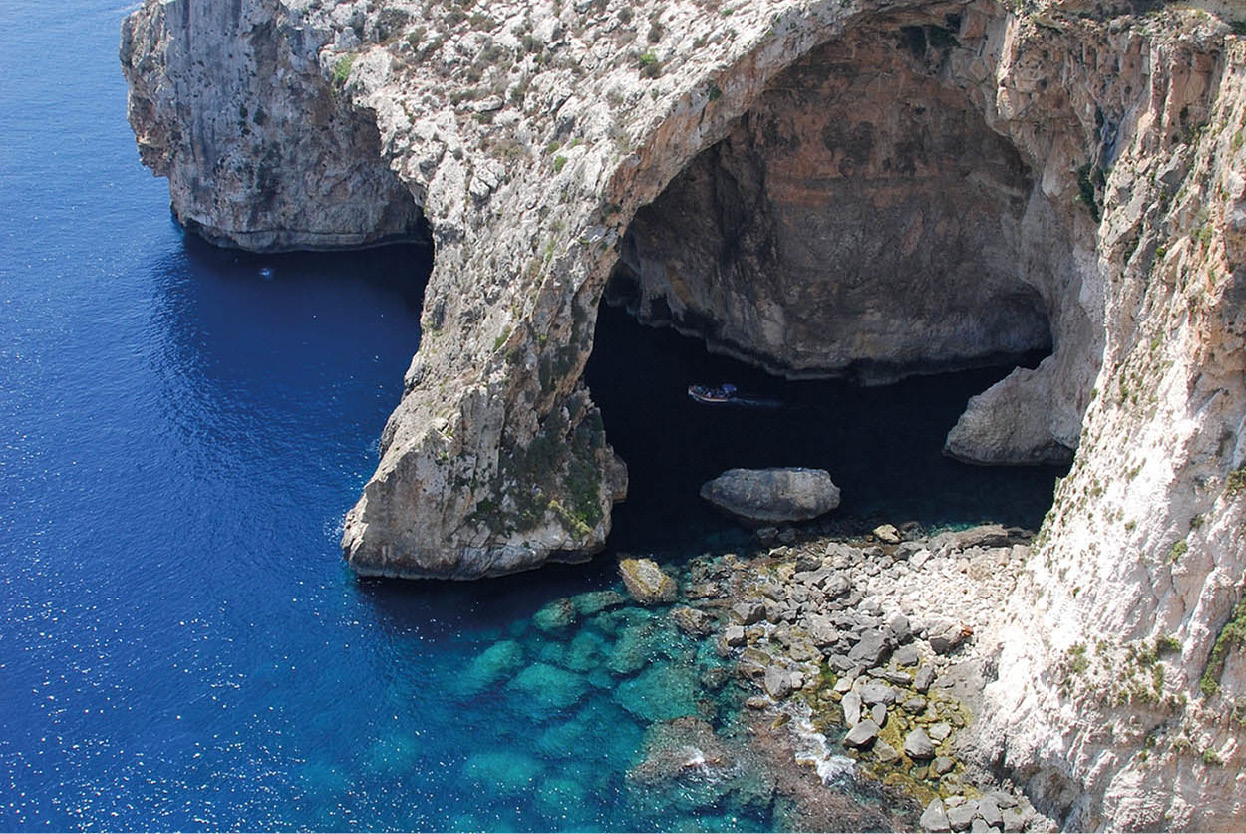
[860,224]
[881,444]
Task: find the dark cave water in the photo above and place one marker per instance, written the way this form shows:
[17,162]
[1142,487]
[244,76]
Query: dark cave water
[881,445]
[182,430]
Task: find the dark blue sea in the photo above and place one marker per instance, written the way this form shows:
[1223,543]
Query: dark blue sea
[182,429]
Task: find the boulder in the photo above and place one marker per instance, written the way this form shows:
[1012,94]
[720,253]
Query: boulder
[836,586]
[862,734]
[907,656]
[885,753]
[960,818]
[991,814]
[646,582]
[887,534]
[946,637]
[934,818]
[749,611]
[770,495]
[876,692]
[822,631]
[871,648]
[852,708]
[777,682]
[917,745]
[915,705]
[693,621]
[900,628]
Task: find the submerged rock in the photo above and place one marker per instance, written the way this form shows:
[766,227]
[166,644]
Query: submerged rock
[989,239]
[502,772]
[679,748]
[770,495]
[548,689]
[661,693]
[555,616]
[496,663]
[646,582]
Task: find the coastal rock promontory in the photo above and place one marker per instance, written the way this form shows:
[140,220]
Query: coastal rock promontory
[871,189]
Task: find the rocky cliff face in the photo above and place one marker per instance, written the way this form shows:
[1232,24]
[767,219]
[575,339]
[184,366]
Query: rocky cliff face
[261,149]
[870,187]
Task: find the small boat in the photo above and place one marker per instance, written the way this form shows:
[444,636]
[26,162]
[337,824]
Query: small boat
[728,394]
[714,394]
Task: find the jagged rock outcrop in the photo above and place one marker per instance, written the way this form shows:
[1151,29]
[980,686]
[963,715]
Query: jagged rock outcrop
[1103,210]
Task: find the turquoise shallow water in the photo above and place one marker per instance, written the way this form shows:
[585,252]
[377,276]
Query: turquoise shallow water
[181,431]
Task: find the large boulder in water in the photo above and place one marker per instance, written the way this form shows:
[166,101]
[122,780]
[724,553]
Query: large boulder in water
[773,495]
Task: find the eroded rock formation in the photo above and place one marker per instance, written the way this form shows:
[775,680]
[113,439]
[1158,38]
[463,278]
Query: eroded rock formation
[1075,178]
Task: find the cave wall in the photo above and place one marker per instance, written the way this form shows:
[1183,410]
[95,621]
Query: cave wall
[861,219]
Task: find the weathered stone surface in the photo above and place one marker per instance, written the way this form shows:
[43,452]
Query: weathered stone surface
[946,637]
[934,818]
[877,693]
[761,495]
[646,582]
[989,809]
[960,817]
[917,745]
[748,612]
[887,534]
[862,734]
[871,648]
[692,620]
[777,682]
[885,753]
[852,708]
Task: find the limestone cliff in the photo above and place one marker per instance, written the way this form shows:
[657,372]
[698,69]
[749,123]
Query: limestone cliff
[871,187]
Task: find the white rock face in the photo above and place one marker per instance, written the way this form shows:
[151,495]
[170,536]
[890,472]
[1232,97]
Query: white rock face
[531,134]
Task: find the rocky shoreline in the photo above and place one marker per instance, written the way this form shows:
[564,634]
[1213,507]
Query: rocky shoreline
[862,651]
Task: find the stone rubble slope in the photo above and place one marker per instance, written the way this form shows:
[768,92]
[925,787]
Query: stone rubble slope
[876,637]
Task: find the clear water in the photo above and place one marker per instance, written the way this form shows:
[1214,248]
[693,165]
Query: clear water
[180,436]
